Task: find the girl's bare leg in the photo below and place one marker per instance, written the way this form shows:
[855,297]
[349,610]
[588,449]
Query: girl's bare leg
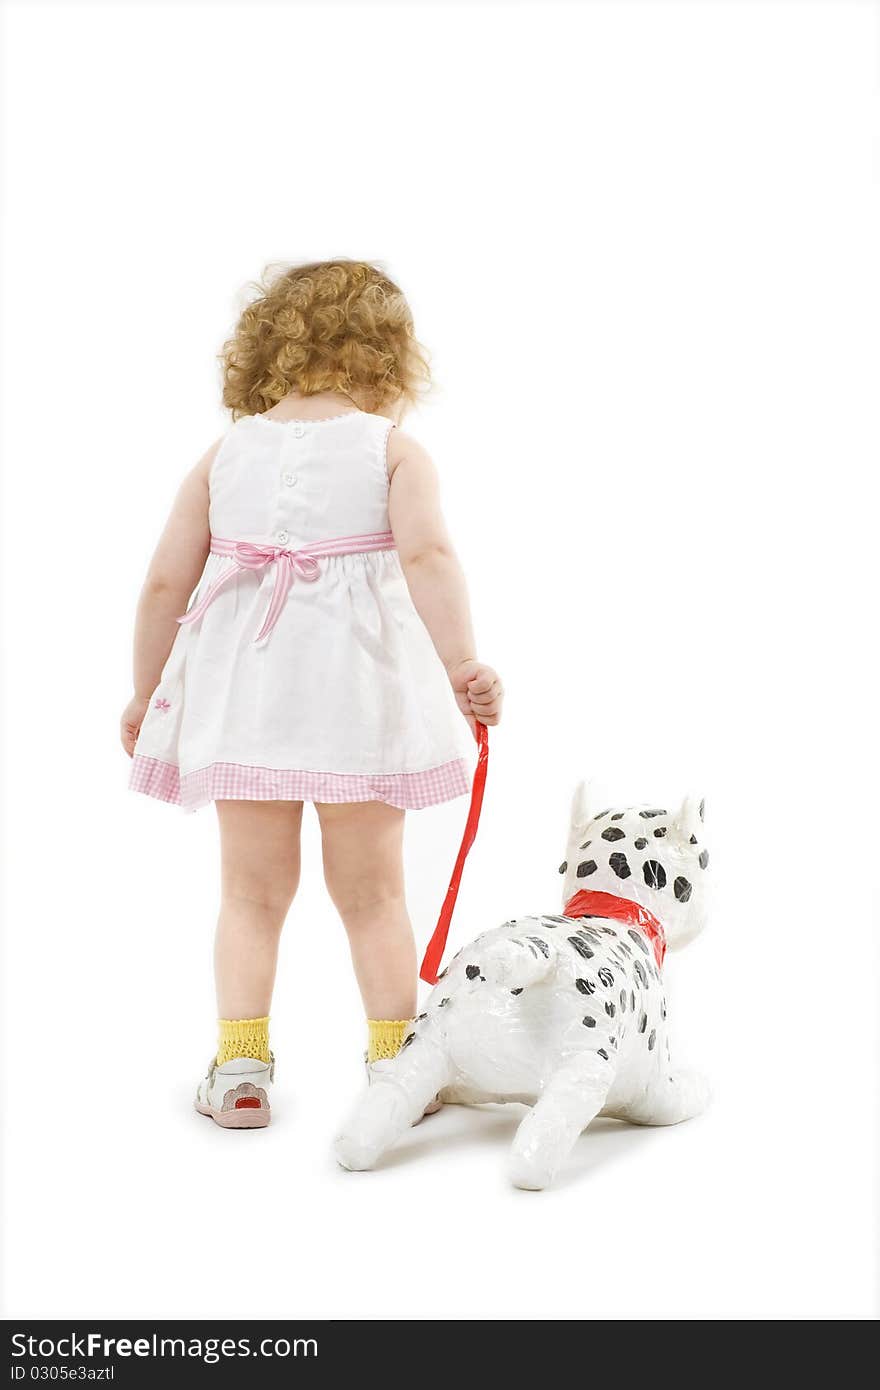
[363,868]
[259,845]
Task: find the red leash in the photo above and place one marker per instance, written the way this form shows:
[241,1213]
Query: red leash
[437,944]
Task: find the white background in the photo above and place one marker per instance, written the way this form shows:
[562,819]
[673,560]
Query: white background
[641,243]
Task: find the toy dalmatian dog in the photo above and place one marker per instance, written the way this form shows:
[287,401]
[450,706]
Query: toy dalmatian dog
[565,1013]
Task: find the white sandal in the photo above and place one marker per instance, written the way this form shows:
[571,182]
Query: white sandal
[236,1095]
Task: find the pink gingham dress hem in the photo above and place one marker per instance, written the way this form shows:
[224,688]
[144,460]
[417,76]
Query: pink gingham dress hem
[409,791]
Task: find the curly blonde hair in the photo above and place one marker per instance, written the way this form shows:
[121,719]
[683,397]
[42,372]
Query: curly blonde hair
[329,326]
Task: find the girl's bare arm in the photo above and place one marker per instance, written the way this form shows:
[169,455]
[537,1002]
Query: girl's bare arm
[435,578]
[174,570]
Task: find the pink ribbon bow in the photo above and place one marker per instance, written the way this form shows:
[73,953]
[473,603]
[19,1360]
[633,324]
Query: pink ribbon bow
[289,564]
[245,556]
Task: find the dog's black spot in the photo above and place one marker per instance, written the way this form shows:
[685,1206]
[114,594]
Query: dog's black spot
[603,1053]
[589,1021]
[613,1042]
[585,986]
[443,973]
[643,1022]
[541,945]
[637,938]
[517,991]
[590,936]
[659,832]
[609,931]
[703,809]
[619,865]
[623,1001]
[410,1037]
[662,1008]
[612,832]
[442,1002]
[640,974]
[563,867]
[652,1038]
[586,844]
[648,815]
[641,842]
[682,889]
[704,858]
[587,867]
[618,815]
[554,921]
[654,873]
[606,977]
[420,1017]
[694,840]
[581,947]
[601,814]
[472,971]
[610,1009]
[632,1000]
[626,948]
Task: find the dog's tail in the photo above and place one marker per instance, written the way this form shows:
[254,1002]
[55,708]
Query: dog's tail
[515,962]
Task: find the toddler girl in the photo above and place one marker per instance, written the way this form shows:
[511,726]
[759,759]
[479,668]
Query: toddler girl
[326,646]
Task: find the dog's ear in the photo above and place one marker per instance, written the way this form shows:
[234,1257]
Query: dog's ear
[580,809]
[689,817]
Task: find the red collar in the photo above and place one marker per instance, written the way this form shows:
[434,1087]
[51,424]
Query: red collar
[590,902]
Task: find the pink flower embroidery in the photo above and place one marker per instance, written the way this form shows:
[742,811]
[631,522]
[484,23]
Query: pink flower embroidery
[163,705]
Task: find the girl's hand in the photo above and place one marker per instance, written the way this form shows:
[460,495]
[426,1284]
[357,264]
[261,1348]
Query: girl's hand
[131,721]
[478,691]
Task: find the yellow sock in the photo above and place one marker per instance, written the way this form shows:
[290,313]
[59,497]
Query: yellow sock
[385,1037]
[243,1037]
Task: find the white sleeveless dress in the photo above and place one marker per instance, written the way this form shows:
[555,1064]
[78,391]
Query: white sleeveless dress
[345,699]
